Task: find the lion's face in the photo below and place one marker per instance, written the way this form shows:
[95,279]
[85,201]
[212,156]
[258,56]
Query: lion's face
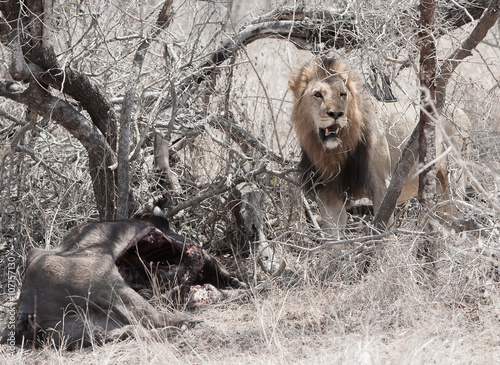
[329,98]
[326,112]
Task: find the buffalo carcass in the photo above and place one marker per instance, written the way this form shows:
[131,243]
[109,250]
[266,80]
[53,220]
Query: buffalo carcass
[85,290]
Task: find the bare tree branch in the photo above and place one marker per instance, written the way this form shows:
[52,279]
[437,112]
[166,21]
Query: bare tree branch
[488,19]
[224,185]
[41,63]
[241,136]
[126,114]
[100,154]
[407,159]
[308,29]
[400,175]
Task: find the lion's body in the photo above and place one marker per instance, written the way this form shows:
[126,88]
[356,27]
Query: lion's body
[351,143]
[400,118]
[345,152]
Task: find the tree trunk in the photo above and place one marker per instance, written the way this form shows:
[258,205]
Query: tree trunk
[427,249]
[428,112]
[123,170]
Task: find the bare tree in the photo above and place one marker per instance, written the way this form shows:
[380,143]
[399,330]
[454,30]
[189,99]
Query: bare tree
[113,88]
[437,92]
[35,62]
[127,109]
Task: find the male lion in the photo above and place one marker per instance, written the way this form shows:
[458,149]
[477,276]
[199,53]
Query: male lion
[345,151]
[351,144]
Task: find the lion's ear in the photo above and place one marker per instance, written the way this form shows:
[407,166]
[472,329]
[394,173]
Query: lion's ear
[353,83]
[297,86]
[291,85]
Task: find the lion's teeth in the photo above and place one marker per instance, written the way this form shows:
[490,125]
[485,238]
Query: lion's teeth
[328,131]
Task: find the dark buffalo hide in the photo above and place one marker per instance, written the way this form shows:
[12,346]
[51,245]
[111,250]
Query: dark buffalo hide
[86,290]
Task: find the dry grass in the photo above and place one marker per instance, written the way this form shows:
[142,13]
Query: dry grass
[392,314]
[322,310]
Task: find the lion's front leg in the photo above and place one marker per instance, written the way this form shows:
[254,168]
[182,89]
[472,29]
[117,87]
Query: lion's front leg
[380,174]
[333,211]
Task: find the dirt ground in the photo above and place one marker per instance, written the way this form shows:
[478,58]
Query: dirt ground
[393,314]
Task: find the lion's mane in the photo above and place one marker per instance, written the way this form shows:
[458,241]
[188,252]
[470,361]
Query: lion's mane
[344,167]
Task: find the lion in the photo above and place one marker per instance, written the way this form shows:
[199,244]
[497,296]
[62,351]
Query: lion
[350,142]
[345,154]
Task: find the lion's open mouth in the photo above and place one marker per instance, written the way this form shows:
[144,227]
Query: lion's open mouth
[330,132]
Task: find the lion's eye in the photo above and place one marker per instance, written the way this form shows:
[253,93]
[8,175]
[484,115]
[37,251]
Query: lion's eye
[318,95]
[343,95]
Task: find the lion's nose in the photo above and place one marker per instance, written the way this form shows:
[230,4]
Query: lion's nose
[335,115]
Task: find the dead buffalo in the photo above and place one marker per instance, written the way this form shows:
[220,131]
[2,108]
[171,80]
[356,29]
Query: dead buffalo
[85,290]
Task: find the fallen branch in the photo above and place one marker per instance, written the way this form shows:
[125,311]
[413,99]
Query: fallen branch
[330,243]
